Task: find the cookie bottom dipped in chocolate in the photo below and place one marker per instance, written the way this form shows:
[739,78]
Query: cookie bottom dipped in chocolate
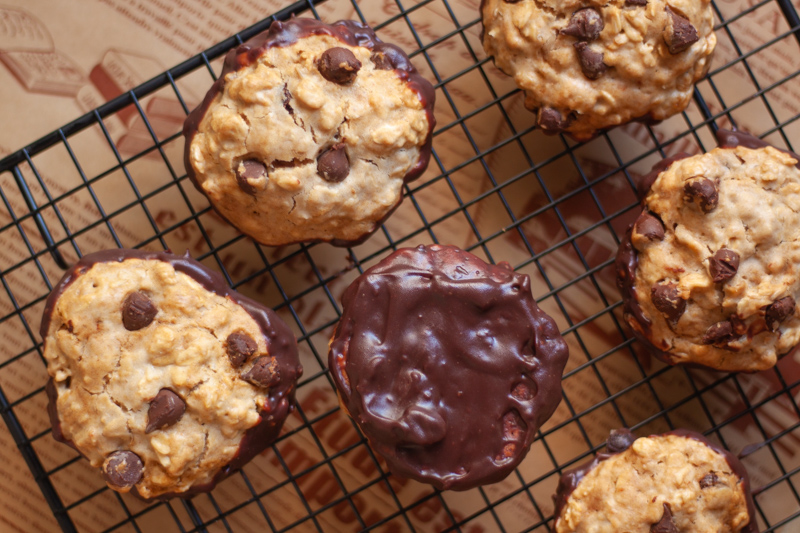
[447,365]
[710,271]
[164,378]
[675,482]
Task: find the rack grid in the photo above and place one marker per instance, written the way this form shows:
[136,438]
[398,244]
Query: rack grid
[496,186]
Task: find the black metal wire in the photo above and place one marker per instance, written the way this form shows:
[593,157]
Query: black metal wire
[45,234]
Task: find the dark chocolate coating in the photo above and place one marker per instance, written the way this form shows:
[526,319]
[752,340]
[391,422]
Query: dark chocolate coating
[347,31]
[627,258]
[280,341]
[570,479]
[447,365]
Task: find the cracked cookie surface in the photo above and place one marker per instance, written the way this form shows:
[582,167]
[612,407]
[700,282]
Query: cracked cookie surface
[587,65]
[151,359]
[310,133]
[663,483]
[709,271]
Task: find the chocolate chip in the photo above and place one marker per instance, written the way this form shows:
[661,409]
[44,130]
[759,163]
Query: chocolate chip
[709,480]
[665,525]
[704,191]
[679,34]
[123,469]
[239,346]
[264,373]
[619,440]
[719,333]
[338,65]
[380,61]
[638,3]
[165,409]
[649,227]
[723,265]
[550,120]
[591,61]
[665,298]
[249,171]
[138,311]
[585,24]
[333,164]
[779,311]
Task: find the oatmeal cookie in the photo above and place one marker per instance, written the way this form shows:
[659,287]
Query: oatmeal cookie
[709,270]
[310,133]
[160,375]
[587,65]
[678,481]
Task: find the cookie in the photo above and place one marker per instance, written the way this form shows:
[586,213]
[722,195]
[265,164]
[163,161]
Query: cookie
[588,66]
[164,378]
[446,364]
[710,271]
[678,481]
[310,133]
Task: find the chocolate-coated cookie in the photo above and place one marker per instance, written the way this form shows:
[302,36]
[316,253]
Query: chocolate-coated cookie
[446,364]
[161,375]
[587,66]
[670,483]
[710,271]
[310,133]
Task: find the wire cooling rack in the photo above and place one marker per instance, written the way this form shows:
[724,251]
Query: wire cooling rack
[497,186]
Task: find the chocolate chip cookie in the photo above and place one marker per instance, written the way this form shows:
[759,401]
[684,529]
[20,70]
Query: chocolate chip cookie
[709,271]
[160,375]
[587,66]
[669,483]
[447,365]
[310,133]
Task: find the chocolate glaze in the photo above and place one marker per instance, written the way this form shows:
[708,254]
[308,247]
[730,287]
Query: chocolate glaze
[627,257]
[571,478]
[279,338]
[444,361]
[349,32]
